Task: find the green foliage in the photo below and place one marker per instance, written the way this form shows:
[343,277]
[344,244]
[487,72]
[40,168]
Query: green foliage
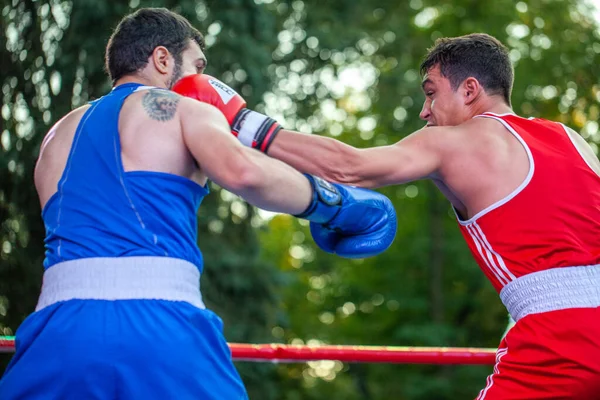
[344,68]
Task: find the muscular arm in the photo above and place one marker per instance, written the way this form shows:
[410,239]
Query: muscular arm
[415,157]
[264,182]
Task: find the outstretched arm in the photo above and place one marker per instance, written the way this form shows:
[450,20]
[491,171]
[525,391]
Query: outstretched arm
[415,157]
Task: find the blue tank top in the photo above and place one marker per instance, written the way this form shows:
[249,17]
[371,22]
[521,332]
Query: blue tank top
[99,210]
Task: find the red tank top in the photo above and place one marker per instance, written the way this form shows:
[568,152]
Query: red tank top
[551,220]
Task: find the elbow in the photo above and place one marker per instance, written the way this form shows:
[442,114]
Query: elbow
[248,180]
[243,175]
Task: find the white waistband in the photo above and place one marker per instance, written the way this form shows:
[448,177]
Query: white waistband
[123,278]
[551,290]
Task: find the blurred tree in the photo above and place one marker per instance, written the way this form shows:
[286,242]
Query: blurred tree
[347,69]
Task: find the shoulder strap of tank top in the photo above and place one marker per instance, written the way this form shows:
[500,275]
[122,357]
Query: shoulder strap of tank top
[491,114]
[96,145]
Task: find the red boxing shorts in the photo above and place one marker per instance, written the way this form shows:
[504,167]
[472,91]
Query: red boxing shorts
[550,354]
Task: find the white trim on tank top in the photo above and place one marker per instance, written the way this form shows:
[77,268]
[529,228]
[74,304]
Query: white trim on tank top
[523,184]
[145,88]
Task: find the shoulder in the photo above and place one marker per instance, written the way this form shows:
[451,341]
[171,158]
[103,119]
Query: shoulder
[200,112]
[158,94]
[472,138]
[76,113]
[442,139]
[476,133]
[71,119]
[163,105]
[159,104]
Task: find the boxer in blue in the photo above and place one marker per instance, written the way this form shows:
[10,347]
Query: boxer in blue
[120,180]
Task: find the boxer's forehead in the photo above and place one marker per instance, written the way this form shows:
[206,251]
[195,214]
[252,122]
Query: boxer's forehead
[194,53]
[433,76]
[193,50]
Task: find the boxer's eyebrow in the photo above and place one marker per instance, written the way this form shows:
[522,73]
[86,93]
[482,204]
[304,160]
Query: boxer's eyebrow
[425,82]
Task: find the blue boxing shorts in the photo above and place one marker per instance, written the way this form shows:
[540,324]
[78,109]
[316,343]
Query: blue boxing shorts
[121,328]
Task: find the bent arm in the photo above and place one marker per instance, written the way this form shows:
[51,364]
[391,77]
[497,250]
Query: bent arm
[263,182]
[415,157]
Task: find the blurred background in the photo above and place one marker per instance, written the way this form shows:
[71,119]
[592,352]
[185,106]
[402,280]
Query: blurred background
[349,69]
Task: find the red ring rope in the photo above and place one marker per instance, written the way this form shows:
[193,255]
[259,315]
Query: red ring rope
[358,354]
[364,354]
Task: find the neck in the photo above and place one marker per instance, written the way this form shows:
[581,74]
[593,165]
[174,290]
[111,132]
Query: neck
[492,105]
[143,80]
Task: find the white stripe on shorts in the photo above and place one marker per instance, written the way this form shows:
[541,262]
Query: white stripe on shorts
[490,379]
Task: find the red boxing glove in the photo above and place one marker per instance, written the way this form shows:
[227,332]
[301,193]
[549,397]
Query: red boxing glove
[253,129]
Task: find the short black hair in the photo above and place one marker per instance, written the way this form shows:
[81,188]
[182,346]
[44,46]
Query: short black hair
[138,34]
[477,55]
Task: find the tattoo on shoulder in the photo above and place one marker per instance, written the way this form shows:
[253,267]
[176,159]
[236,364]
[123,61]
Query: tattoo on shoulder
[160,105]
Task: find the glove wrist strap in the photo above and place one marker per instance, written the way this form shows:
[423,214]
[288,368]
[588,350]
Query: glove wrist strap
[254,129]
[326,201]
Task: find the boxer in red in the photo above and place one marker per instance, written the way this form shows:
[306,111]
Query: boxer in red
[526,192]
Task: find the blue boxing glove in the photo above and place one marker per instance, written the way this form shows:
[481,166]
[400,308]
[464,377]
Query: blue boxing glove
[349,221]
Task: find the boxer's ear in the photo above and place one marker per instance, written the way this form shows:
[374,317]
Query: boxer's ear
[161,58]
[471,89]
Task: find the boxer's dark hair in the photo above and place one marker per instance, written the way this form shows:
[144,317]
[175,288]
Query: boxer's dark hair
[477,55]
[138,34]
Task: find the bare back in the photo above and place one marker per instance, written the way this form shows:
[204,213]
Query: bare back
[151,140]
